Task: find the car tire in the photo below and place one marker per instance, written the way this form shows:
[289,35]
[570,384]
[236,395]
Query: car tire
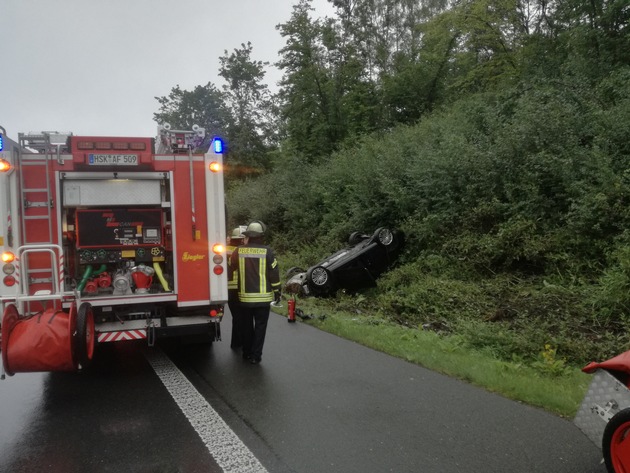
[294,271]
[85,335]
[319,280]
[384,237]
[616,442]
[355,238]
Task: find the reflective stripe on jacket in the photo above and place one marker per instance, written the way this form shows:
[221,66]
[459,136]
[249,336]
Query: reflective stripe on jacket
[258,273]
[232,274]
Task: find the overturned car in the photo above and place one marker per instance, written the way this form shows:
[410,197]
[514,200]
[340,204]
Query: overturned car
[355,267]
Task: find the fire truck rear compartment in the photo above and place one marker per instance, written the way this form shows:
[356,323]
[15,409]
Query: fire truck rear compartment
[116,237]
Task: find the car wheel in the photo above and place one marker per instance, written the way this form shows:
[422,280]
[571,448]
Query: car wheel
[294,271]
[616,442]
[319,279]
[384,236]
[355,238]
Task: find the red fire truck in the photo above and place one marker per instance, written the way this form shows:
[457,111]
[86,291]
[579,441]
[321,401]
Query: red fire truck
[106,239]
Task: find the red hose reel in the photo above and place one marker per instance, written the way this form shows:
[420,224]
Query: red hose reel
[52,340]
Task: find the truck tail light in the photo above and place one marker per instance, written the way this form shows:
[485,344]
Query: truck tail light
[214,312]
[218,270]
[9,281]
[218,248]
[138,146]
[8,257]
[215,167]
[120,145]
[85,145]
[5,166]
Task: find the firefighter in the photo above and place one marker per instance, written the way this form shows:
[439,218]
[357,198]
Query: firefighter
[258,285]
[236,239]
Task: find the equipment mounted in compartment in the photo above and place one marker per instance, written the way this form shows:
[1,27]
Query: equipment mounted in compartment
[116,228]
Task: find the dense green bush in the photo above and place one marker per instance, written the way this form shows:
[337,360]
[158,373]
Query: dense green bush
[515,207]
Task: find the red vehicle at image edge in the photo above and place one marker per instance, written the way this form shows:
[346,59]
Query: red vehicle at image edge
[604,415]
[108,239]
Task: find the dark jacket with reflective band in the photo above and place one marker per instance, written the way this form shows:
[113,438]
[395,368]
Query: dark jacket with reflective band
[232,273]
[258,274]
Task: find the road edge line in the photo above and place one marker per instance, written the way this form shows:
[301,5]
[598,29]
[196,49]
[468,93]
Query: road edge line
[230,453]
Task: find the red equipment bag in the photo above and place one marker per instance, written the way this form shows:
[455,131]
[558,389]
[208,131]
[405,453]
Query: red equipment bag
[41,342]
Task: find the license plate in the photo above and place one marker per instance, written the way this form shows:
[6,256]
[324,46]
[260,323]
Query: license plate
[113,159]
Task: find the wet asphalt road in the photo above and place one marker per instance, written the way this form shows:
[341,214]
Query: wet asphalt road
[317,403]
[323,404]
[116,417]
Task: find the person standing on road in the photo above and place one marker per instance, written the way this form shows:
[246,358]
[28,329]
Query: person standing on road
[258,286]
[236,239]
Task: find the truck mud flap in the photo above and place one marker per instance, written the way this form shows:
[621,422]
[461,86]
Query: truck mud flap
[209,332]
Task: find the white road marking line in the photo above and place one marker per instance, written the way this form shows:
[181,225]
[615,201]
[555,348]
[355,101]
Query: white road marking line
[225,447]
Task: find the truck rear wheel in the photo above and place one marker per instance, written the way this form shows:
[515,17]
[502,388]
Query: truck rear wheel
[84,338]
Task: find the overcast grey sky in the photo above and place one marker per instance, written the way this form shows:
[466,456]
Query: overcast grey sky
[93,67]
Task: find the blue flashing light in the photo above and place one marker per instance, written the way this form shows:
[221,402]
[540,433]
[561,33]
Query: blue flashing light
[217,145]
[1,142]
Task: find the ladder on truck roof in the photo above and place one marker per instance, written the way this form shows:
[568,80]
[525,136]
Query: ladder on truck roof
[36,153]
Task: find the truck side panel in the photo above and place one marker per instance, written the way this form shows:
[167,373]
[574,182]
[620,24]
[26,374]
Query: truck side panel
[9,217]
[193,255]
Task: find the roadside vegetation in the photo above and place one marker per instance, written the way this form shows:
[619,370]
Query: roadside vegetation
[547,383]
[496,135]
[516,231]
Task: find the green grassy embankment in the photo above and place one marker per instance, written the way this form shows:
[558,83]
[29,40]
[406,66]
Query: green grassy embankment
[559,393]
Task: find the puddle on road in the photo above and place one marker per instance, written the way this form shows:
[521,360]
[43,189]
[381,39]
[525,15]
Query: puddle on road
[21,398]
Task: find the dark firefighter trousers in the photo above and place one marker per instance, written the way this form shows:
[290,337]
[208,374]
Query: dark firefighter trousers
[253,328]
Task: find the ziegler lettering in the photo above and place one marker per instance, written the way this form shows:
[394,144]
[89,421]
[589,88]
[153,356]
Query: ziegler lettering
[186,257]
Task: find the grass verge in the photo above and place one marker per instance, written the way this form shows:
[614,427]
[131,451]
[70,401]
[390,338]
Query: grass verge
[560,393]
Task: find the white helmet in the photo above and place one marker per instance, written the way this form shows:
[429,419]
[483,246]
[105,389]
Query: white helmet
[237,233]
[255,229]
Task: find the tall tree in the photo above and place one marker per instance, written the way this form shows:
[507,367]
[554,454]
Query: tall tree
[380,30]
[203,106]
[597,30]
[307,108]
[327,93]
[249,102]
[491,34]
